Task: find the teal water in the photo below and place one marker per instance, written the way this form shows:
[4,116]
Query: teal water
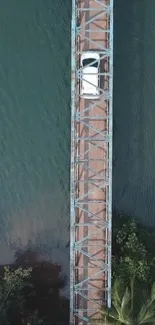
[134,109]
[35,122]
[35,128]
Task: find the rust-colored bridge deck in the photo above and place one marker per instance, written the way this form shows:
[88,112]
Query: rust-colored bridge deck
[91,165]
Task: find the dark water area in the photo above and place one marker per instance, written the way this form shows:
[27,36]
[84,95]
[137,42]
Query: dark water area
[35,130]
[134,109]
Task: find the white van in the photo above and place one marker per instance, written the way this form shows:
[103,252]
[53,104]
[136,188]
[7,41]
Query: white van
[90,81]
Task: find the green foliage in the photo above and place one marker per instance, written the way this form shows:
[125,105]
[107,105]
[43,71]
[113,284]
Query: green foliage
[11,286]
[126,309]
[131,259]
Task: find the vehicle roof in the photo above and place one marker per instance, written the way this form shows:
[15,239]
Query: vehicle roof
[90,81]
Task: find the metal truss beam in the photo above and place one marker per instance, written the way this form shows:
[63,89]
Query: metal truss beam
[91,164]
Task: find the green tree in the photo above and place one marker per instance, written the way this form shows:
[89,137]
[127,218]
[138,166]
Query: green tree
[127,309]
[130,261]
[11,286]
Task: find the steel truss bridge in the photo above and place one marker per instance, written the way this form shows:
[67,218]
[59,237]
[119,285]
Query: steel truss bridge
[91,164]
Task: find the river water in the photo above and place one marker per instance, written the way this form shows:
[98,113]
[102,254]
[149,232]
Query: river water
[35,122]
[35,128]
[134,109]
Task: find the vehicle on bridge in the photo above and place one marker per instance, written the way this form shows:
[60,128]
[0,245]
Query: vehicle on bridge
[90,79]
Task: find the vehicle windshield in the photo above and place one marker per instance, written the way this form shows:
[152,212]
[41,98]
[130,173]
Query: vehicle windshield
[86,62]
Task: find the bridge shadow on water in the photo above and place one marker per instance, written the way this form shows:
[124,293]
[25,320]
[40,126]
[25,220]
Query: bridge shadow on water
[134,113]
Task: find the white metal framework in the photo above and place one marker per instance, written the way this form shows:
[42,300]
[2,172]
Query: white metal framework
[91,164]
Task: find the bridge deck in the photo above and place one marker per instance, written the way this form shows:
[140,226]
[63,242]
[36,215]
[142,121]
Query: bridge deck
[91,165]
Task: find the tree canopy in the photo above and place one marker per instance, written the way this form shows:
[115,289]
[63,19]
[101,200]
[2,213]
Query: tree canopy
[11,296]
[129,310]
[131,257]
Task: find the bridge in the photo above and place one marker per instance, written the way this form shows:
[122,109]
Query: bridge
[91,164]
